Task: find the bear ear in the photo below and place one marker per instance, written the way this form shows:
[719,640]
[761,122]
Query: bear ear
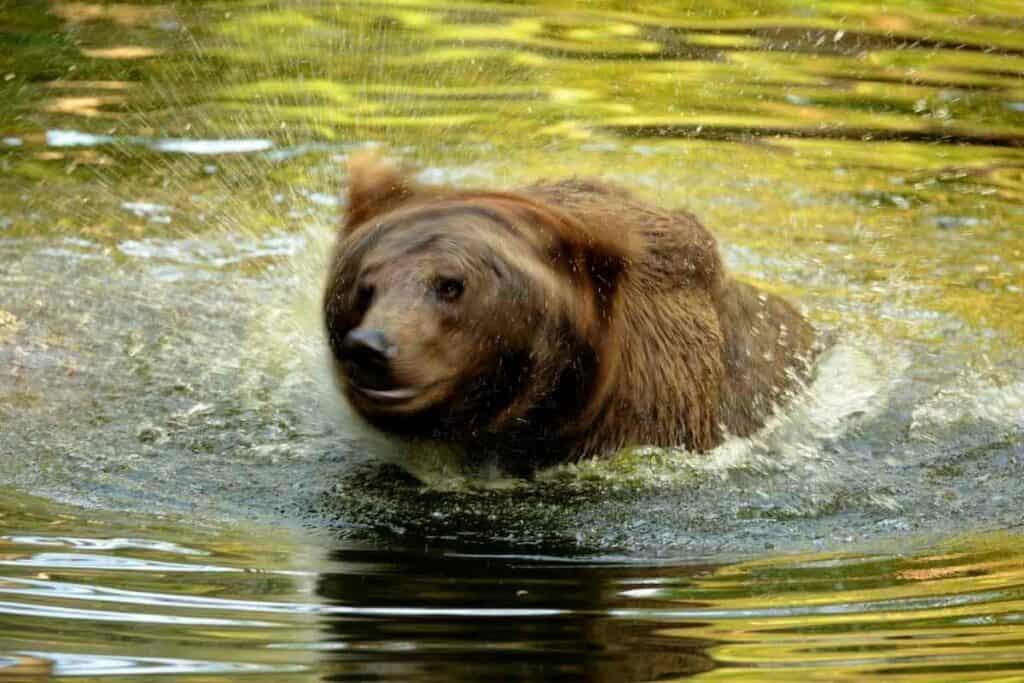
[593,245]
[375,186]
[605,251]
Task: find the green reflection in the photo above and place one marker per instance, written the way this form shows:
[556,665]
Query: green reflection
[901,120]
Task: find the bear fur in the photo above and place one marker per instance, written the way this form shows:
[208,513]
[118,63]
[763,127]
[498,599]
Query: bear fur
[558,321]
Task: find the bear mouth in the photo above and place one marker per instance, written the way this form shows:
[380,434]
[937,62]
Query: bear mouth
[394,396]
[396,399]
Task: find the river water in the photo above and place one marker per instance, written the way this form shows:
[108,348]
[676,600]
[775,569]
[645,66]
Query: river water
[182,493]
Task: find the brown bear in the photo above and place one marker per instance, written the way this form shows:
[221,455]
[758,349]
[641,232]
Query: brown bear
[559,321]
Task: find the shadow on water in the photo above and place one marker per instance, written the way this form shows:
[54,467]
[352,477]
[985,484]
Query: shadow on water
[544,619]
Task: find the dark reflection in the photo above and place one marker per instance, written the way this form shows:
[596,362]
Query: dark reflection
[815,130]
[427,615]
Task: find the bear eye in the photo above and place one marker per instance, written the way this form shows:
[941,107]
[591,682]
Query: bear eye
[449,289]
[364,297]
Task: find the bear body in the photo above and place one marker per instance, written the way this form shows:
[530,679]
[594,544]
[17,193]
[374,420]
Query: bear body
[559,321]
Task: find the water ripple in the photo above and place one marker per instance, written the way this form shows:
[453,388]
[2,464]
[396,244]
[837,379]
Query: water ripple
[104,544]
[91,592]
[73,591]
[67,664]
[50,612]
[109,562]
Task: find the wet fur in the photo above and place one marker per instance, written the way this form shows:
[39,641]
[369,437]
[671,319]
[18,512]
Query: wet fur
[637,336]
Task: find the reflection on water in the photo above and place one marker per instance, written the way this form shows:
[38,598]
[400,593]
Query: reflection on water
[232,605]
[170,179]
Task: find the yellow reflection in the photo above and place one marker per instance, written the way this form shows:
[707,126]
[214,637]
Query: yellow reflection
[81,106]
[121,13]
[842,617]
[122,52]
[90,85]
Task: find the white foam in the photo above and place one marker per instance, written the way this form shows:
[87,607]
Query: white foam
[74,138]
[851,384]
[970,398]
[210,147]
[144,208]
[218,254]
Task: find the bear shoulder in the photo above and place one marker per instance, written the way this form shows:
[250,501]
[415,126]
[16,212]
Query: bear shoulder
[576,186]
[676,249]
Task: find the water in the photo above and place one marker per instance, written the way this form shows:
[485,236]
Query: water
[181,492]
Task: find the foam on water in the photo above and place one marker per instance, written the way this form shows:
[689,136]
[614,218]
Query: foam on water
[969,399]
[211,147]
[217,253]
[850,386]
[199,147]
[74,138]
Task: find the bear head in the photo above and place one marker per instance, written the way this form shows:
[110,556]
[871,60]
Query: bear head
[464,315]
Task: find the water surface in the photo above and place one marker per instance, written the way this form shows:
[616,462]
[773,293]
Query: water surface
[183,494]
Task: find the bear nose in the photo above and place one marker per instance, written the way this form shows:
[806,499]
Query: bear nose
[369,343]
[368,354]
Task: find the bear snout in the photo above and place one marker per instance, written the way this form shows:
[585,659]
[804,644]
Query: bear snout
[366,355]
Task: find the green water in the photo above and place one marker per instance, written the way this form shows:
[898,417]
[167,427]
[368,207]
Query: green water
[182,494]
